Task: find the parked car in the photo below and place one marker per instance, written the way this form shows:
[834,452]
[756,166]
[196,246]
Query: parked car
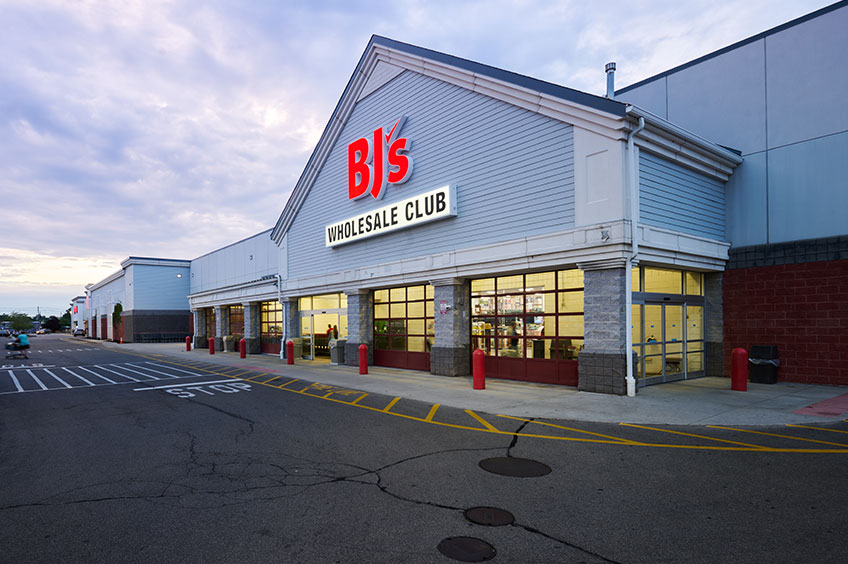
[43,331]
[79,332]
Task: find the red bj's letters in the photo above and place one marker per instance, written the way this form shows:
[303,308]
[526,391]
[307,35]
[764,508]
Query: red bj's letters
[378,160]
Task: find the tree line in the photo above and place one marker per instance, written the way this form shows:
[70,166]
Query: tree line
[22,322]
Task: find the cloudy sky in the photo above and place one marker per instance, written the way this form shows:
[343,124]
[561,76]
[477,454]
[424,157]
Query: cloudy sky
[172,128]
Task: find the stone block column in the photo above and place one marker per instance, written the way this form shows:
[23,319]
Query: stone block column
[713,325]
[251,328]
[602,364]
[199,329]
[360,325]
[450,355]
[291,321]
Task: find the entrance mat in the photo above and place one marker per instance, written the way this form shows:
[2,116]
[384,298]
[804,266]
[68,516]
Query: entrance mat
[833,407]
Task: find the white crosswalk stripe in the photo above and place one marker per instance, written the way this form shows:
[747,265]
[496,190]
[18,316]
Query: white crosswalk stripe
[43,379]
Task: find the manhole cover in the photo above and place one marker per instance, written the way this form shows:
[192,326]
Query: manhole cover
[467,549]
[489,516]
[517,467]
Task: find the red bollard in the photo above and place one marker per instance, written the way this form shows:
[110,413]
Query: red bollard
[211,345]
[739,370]
[188,344]
[363,359]
[242,348]
[289,352]
[478,369]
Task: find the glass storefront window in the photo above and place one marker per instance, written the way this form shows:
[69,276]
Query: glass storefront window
[694,284]
[329,301]
[637,286]
[304,304]
[510,283]
[531,315]
[403,318]
[695,323]
[541,282]
[236,321]
[662,281]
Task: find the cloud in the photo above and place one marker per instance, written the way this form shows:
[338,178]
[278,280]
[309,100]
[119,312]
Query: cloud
[171,128]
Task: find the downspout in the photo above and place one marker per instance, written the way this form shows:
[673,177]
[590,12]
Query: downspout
[634,253]
[284,332]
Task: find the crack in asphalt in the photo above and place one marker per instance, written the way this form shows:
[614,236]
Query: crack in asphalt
[234,469]
[515,436]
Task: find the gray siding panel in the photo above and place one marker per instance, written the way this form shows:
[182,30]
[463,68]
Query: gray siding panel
[513,169]
[674,197]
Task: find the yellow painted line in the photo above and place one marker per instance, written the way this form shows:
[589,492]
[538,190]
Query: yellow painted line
[781,436]
[433,411]
[690,435]
[328,394]
[491,429]
[253,378]
[482,421]
[817,428]
[390,406]
[271,380]
[239,374]
[287,383]
[618,439]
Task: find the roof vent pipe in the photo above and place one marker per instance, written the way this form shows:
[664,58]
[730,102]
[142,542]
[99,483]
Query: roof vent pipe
[610,70]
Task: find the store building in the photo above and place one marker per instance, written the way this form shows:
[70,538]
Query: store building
[145,301]
[777,97]
[78,313]
[235,294]
[598,242]
[458,206]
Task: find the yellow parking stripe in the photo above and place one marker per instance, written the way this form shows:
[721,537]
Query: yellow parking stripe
[198,365]
[482,421]
[690,435]
[617,439]
[817,428]
[272,379]
[251,379]
[391,405]
[287,383]
[432,412]
[776,435]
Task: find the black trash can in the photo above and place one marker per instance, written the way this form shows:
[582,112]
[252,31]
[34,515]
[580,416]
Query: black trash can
[762,364]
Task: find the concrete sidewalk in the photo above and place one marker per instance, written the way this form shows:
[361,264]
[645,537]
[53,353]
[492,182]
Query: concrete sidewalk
[703,401]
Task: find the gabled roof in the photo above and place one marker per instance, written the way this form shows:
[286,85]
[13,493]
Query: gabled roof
[566,104]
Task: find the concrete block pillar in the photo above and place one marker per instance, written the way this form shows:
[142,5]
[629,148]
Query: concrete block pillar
[602,364]
[291,320]
[360,325]
[713,324]
[199,329]
[251,327]
[450,355]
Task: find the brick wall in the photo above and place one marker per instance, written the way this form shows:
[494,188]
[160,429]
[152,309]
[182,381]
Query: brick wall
[801,308]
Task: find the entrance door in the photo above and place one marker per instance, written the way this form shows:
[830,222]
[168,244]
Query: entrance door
[316,331]
[668,340]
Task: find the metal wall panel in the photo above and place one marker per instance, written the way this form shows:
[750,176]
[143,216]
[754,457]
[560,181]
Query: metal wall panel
[808,192]
[780,100]
[241,262]
[674,197]
[157,287]
[513,170]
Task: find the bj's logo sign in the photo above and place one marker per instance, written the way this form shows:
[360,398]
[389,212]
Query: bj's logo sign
[378,160]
